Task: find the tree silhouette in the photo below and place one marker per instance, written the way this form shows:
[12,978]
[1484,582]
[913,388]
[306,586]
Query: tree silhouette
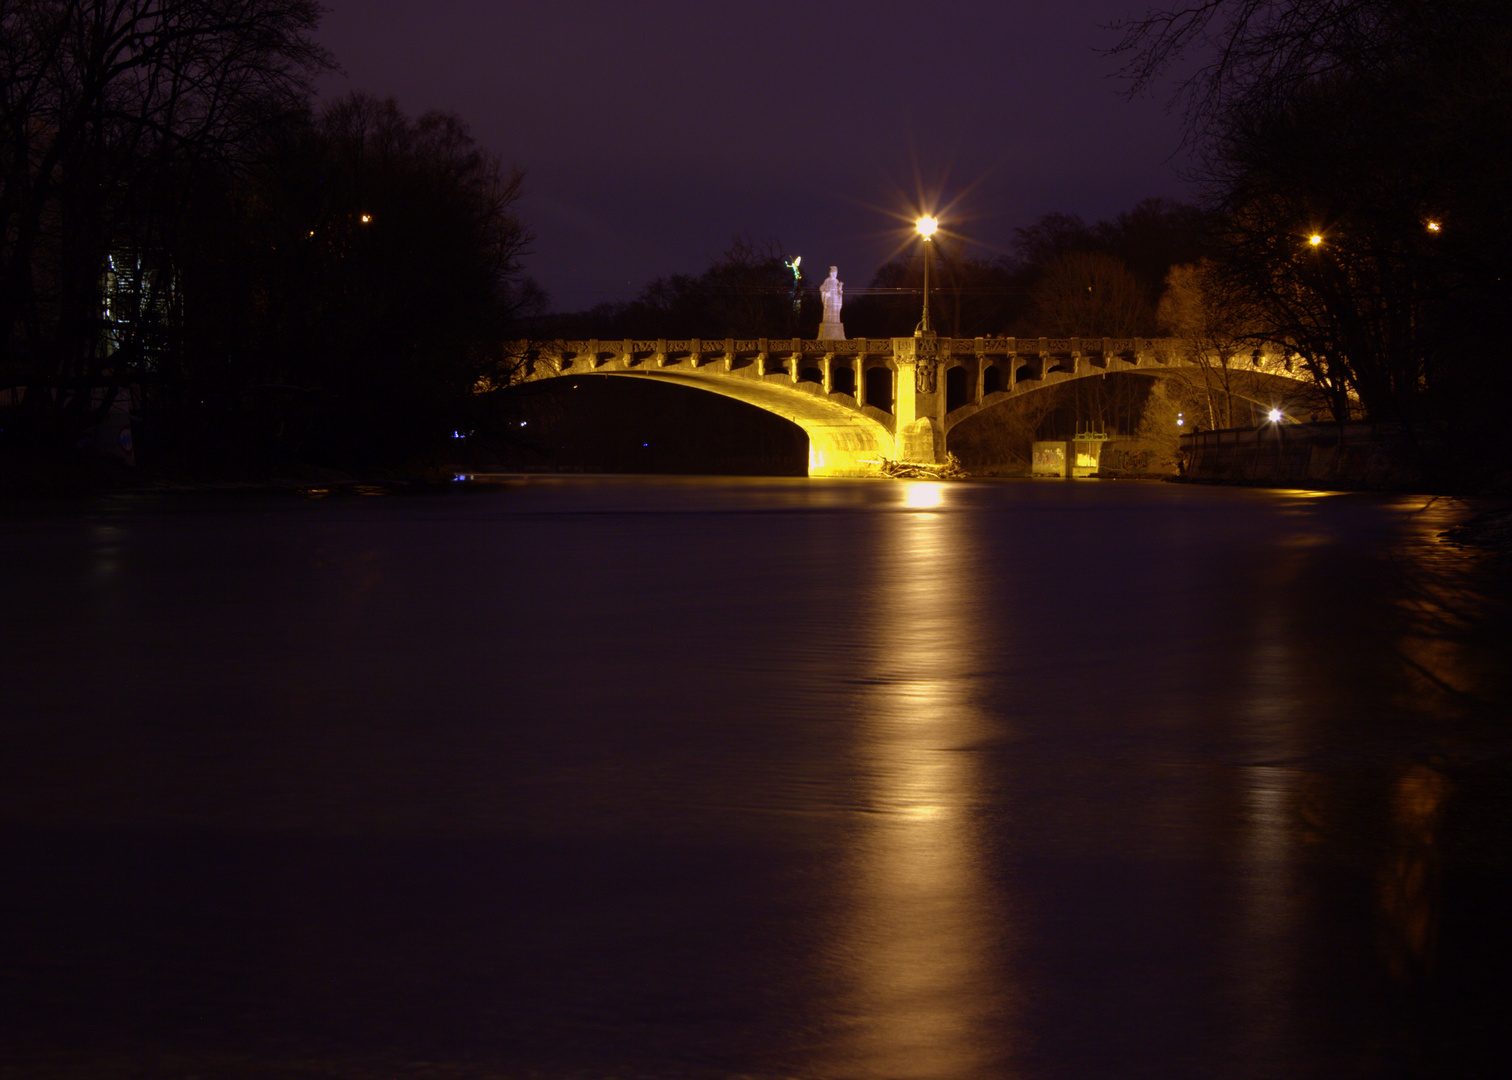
[369,270]
[111,111]
[1090,294]
[1356,154]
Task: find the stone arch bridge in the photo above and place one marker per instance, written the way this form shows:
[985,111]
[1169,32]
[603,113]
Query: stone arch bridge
[870,398]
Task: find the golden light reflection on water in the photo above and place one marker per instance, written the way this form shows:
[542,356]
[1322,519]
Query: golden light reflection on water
[1439,604]
[1446,674]
[1386,806]
[1267,964]
[921,945]
[106,559]
[923,495]
[1409,879]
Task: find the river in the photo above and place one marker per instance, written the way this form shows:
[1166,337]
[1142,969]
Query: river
[706,778]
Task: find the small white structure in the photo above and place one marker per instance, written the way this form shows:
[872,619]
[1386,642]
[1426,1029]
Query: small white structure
[832,292]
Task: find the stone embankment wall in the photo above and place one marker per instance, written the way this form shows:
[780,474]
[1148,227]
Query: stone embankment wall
[1349,456]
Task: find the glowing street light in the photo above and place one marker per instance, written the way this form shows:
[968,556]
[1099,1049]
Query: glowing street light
[1434,226]
[1275,416]
[1315,239]
[926,227]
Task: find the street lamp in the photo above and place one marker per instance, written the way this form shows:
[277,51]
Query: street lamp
[926,227]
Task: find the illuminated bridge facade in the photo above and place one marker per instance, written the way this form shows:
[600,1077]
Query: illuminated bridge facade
[869,398]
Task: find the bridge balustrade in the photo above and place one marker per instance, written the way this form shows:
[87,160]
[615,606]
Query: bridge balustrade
[735,352]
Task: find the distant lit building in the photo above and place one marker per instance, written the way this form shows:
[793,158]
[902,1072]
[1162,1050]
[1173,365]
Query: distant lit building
[139,307]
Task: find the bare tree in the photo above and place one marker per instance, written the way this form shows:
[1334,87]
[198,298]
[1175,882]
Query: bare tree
[1213,325]
[372,268]
[747,291]
[1253,53]
[1090,294]
[108,108]
[1355,152]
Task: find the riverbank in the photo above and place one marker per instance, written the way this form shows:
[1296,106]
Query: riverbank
[1490,531]
[85,476]
[1358,456]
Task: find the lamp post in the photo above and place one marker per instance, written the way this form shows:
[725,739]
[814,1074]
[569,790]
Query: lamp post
[926,227]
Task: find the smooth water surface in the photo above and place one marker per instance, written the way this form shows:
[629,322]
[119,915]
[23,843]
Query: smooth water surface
[754,778]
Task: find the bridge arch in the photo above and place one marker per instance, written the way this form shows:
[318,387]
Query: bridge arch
[842,442]
[992,380]
[994,398]
[879,383]
[958,387]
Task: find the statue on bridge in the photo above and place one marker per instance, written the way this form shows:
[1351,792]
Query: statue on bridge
[832,292]
[797,284]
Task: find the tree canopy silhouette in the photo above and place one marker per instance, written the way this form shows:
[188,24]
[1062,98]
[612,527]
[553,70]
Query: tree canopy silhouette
[111,111]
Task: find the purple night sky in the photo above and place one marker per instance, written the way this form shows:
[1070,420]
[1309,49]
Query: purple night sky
[652,133]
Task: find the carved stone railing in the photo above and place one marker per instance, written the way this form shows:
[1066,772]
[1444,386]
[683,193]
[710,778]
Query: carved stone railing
[662,352]
[1022,361]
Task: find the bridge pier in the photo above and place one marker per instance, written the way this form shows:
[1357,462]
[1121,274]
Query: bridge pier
[919,400]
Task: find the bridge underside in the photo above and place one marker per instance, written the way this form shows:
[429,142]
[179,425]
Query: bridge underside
[842,442]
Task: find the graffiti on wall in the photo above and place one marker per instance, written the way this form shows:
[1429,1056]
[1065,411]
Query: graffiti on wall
[1128,459]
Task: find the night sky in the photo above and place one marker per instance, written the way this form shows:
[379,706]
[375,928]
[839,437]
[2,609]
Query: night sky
[653,133]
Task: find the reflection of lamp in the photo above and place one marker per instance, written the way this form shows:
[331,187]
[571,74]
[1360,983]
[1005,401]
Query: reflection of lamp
[924,496]
[926,227]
